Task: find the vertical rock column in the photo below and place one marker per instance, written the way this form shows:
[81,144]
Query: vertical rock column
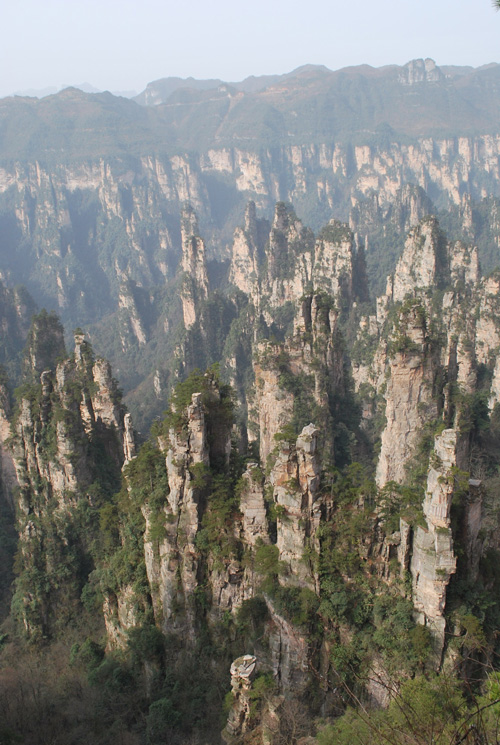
[7,468]
[409,399]
[178,553]
[433,561]
[195,284]
[244,268]
[238,722]
[295,479]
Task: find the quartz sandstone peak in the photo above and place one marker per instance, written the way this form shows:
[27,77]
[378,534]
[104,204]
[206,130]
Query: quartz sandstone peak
[433,560]
[194,288]
[239,719]
[423,262]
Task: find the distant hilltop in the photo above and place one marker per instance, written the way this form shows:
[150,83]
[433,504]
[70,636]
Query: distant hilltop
[159,91]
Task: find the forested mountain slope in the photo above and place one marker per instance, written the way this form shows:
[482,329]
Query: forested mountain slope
[323,501]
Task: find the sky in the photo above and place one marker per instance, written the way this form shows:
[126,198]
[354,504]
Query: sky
[121,45]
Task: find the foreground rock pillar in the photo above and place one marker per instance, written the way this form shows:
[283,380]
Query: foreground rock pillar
[238,721]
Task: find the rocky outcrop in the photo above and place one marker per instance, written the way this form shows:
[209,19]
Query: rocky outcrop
[369,215]
[255,525]
[424,262]
[71,438]
[293,262]
[306,370]
[45,344]
[245,259]
[239,720]
[78,402]
[198,441]
[187,457]
[410,402]
[133,326]
[419,71]
[290,652]
[430,343]
[295,479]
[335,267]
[8,479]
[274,406]
[120,613]
[288,258]
[433,560]
[195,281]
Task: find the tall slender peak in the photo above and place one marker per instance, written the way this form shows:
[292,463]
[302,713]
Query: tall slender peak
[7,468]
[334,258]
[189,223]
[251,220]
[289,255]
[464,264]
[413,205]
[295,479]
[410,402]
[130,310]
[83,350]
[424,263]
[244,268]
[286,221]
[195,284]
[433,560]
[45,344]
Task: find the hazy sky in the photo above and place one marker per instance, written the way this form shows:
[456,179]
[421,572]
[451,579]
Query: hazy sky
[124,44]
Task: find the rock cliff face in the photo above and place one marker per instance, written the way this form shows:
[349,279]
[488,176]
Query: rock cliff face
[293,262]
[433,560]
[107,237]
[246,516]
[195,282]
[180,573]
[427,350]
[229,545]
[300,377]
[95,223]
[16,310]
[246,254]
[436,324]
[295,479]
[71,438]
[409,399]
[7,468]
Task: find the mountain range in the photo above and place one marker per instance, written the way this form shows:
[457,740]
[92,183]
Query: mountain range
[250,411]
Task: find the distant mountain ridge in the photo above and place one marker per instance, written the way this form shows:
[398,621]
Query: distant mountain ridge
[309,105]
[159,91]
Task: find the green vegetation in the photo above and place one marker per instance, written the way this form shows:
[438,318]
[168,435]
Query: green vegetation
[183,588]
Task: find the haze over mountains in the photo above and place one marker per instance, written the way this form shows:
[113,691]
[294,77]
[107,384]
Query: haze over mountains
[308,104]
[304,269]
[92,185]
